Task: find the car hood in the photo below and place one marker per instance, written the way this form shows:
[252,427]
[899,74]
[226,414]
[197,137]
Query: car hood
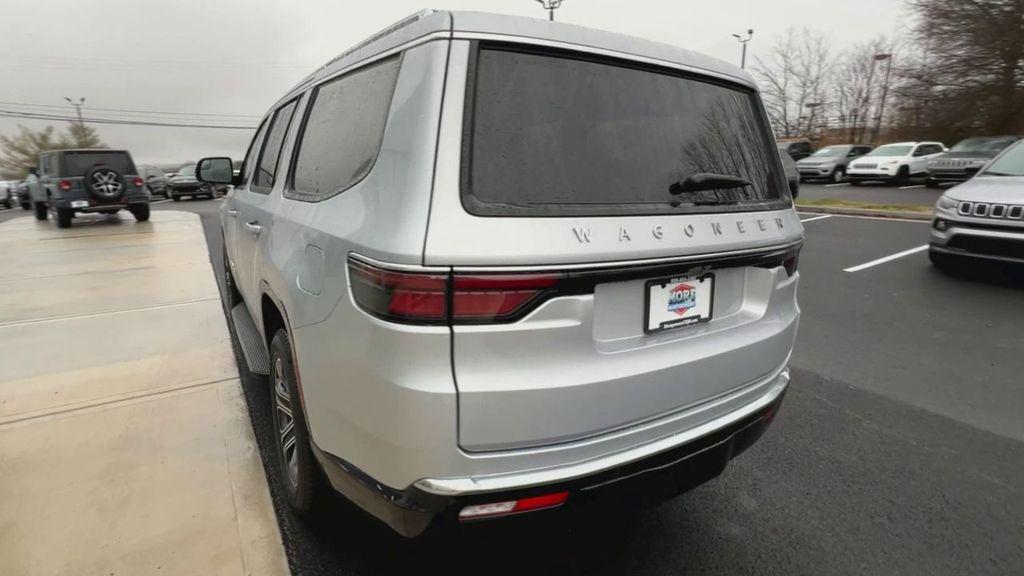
[815,160]
[994,189]
[876,159]
[183,180]
[982,155]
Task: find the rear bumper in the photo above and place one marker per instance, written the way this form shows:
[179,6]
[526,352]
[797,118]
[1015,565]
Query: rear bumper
[649,472]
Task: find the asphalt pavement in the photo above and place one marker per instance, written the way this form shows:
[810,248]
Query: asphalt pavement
[899,448]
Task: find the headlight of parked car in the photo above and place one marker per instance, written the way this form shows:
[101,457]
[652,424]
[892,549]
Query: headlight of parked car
[945,203]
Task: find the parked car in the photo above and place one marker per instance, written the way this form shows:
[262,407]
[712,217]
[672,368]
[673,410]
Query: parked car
[92,180]
[797,149]
[156,181]
[6,194]
[620,315]
[21,194]
[983,218]
[792,175]
[184,183]
[830,162]
[895,163]
[965,159]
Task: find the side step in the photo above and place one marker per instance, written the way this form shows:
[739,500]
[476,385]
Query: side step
[253,347]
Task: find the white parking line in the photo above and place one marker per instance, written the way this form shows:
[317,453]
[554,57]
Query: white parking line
[912,186]
[886,259]
[816,218]
[839,184]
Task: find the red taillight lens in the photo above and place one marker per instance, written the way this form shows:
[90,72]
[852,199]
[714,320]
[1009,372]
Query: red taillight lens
[138,182]
[415,297]
[496,297]
[64,185]
[481,511]
[437,298]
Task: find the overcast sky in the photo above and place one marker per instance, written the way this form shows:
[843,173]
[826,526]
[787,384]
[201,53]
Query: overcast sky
[237,57]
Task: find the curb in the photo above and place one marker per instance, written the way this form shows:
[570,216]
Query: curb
[902,215]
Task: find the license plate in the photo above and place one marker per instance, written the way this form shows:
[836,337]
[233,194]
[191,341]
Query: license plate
[79,203]
[680,301]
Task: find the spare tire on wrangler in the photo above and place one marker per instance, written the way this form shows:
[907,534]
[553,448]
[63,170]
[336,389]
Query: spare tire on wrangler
[103,183]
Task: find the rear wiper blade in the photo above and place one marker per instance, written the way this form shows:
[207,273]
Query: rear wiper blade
[707,181]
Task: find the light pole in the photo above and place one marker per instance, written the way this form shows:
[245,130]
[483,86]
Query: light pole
[78,108]
[551,6]
[885,92]
[743,41]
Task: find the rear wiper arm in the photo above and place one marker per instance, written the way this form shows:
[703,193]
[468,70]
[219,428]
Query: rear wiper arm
[707,181]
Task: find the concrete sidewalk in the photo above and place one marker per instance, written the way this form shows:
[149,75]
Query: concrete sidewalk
[125,445]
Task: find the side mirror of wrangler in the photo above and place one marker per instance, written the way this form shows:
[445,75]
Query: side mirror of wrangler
[216,170]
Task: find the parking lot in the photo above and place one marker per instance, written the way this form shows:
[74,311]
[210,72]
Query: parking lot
[899,449]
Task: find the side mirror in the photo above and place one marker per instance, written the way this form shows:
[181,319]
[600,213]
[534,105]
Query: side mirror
[217,170]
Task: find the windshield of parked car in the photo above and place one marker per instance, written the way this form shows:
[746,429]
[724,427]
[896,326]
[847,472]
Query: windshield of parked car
[556,134]
[982,145]
[77,163]
[1011,163]
[832,151]
[890,150]
[189,171]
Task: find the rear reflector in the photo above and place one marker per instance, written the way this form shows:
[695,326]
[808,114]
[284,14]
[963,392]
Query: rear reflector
[64,185]
[480,511]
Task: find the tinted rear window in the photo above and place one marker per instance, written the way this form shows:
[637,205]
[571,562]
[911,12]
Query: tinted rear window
[76,163]
[555,134]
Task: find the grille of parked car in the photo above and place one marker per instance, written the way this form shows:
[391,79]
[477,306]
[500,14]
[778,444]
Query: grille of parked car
[987,210]
[954,163]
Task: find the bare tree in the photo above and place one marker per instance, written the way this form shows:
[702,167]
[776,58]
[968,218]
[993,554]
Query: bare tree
[856,86]
[794,79]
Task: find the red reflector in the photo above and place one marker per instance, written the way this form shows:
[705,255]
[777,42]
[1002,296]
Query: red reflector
[64,185]
[138,182]
[498,296]
[495,509]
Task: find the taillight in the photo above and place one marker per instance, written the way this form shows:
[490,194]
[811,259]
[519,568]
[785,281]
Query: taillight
[64,185]
[791,259]
[138,182]
[481,511]
[413,297]
[439,298]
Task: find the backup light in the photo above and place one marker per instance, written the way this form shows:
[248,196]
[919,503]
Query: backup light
[507,507]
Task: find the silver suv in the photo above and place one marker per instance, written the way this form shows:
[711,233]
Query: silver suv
[983,218]
[496,265]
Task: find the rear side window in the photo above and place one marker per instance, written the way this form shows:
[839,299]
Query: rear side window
[266,169]
[76,163]
[343,131]
[250,155]
[559,134]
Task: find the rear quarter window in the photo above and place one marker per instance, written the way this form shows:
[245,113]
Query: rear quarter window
[562,134]
[343,131]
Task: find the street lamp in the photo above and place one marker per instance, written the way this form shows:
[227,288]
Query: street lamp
[78,107]
[743,41]
[885,91]
[551,6]
[813,107]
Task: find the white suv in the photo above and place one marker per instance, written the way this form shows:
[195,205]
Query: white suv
[895,163]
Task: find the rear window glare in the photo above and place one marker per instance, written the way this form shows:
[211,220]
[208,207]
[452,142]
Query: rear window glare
[553,133]
[77,163]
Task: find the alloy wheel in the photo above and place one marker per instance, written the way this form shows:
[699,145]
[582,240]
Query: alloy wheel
[285,424]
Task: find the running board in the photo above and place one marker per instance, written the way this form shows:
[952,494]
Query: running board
[253,347]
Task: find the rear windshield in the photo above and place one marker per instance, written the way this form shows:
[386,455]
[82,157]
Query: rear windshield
[554,134]
[76,163]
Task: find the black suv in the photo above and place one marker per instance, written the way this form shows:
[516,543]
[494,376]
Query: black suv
[103,181]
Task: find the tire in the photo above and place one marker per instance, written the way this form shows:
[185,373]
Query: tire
[26,206]
[297,469]
[855,183]
[40,210]
[232,297]
[104,183]
[838,175]
[8,204]
[902,176]
[141,213]
[931,183]
[941,261]
[175,197]
[64,216]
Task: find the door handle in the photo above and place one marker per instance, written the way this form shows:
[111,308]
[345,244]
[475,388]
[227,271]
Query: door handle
[254,227]
[233,213]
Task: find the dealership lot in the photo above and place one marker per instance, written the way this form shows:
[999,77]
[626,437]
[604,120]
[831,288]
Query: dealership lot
[899,449]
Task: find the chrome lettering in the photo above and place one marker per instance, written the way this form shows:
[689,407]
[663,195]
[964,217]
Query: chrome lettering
[657,232]
[688,230]
[624,235]
[716,227]
[778,222]
[739,226]
[762,225]
[582,234]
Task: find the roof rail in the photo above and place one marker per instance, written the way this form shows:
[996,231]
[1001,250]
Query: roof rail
[390,29]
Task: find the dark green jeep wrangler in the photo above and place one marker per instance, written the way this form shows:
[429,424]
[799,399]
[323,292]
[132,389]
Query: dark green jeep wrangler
[95,180]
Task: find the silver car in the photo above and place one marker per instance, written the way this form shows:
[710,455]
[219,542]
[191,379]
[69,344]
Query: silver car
[983,218]
[495,265]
